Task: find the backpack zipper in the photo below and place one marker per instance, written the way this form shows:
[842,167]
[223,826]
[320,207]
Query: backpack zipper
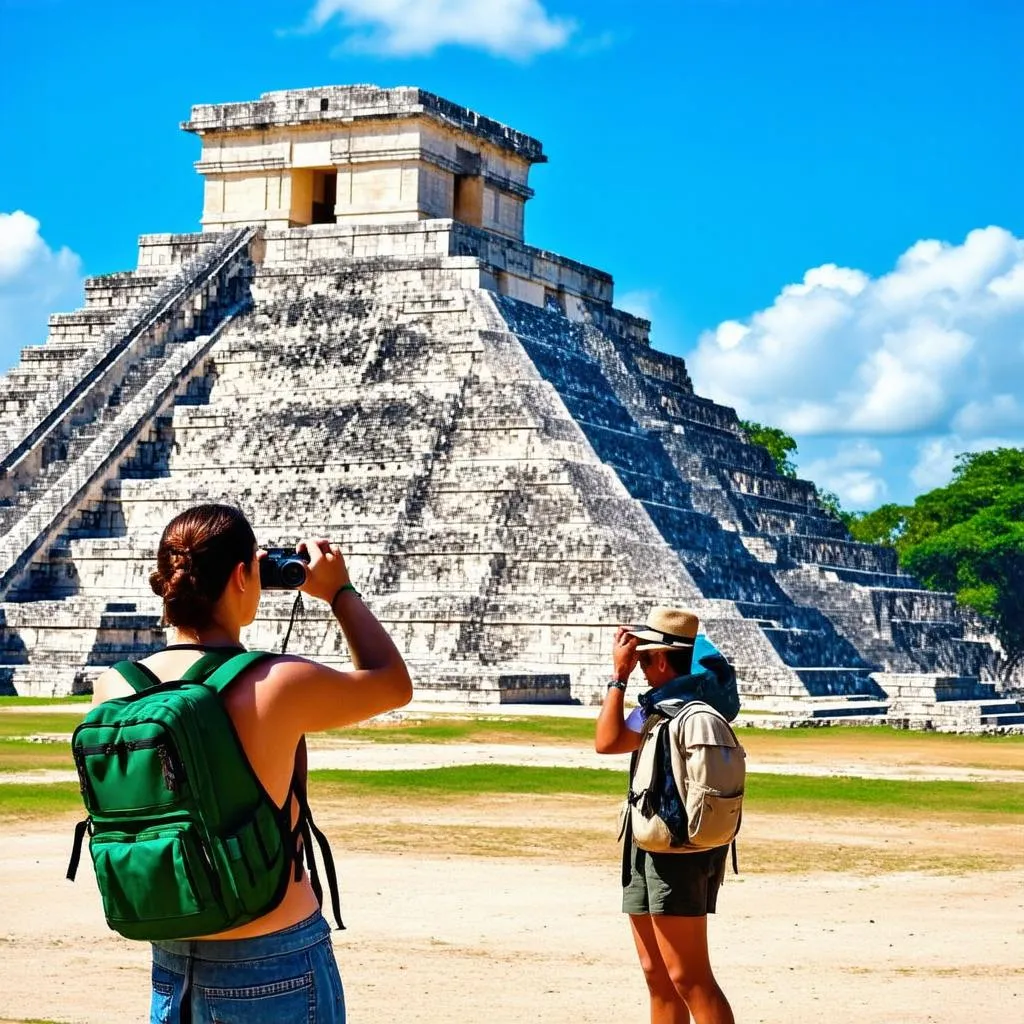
[168,762]
[167,767]
[126,745]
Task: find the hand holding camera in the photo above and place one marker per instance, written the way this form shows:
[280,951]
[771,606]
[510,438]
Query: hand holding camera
[314,566]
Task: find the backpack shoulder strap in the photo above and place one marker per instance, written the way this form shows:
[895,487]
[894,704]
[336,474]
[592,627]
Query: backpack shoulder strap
[137,676]
[228,671]
[204,666]
[720,721]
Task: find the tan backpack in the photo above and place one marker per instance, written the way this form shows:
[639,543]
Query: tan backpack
[686,782]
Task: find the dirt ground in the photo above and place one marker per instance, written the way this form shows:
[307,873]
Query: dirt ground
[506,911]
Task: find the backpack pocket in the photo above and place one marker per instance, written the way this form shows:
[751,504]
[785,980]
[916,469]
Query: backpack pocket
[652,834]
[132,771]
[712,819]
[256,858]
[161,874]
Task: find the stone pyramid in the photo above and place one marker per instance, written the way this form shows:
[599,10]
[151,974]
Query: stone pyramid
[360,342]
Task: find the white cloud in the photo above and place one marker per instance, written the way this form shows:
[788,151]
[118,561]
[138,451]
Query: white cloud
[918,349]
[996,413]
[852,473]
[35,281]
[405,28]
[934,349]
[936,456]
[935,461]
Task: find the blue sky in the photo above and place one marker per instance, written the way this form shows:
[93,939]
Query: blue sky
[763,177]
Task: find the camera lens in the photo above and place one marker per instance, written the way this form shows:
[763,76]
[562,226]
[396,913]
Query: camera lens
[293,573]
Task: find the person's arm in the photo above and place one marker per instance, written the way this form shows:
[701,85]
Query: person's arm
[310,697]
[612,736]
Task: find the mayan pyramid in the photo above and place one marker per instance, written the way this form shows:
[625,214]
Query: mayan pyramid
[360,341]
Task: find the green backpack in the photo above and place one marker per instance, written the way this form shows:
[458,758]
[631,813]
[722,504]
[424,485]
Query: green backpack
[184,838]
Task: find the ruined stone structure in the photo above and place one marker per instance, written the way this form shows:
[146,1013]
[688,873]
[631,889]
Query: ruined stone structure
[360,341]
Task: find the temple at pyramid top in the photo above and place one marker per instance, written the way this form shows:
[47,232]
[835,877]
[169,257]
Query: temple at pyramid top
[360,154]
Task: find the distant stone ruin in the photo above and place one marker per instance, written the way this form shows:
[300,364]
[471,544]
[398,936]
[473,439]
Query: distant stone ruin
[361,341]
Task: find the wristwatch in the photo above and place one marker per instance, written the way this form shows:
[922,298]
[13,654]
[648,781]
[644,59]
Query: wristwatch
[618,684]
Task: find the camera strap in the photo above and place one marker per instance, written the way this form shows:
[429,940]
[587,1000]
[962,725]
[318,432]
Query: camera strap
[297,607]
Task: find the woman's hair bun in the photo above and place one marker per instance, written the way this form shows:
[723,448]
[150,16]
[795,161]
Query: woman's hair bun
[198,551]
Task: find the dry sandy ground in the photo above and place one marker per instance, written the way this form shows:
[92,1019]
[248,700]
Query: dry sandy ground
[505,910]
[438,933]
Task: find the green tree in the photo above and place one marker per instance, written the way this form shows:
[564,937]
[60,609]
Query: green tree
[780,445]
[886,525]
[967,537]
[829,501]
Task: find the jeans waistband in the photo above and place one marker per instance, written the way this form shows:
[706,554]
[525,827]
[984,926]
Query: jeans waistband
[259,947]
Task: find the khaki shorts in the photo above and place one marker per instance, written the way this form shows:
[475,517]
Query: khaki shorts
[680,884]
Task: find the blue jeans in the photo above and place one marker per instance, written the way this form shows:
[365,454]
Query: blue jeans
[287,977]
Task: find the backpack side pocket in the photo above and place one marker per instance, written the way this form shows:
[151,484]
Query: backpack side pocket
[713,819]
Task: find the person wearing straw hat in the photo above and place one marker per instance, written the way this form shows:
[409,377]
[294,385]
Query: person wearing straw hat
[668,896]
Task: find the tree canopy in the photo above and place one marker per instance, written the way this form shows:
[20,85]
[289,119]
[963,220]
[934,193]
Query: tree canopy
[780,445]
[968,538]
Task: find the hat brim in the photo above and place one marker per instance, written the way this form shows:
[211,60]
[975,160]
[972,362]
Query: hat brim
[654,640]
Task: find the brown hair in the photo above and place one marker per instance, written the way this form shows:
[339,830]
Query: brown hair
[198,551]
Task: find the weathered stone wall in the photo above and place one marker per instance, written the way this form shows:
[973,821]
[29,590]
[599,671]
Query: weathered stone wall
[391,156]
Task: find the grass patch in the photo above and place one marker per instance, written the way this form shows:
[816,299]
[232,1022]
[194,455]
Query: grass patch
[475,778]
[875,734]
[29,702]
[885,746]
[836,795]
[21,725]
[770,793]
[475,729]
[22,756]
[450,728]
[39,800]
[802,857]
[583,845]
[18,754]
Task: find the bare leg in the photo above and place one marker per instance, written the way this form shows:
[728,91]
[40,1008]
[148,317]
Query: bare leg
[667,1007]
[683,944]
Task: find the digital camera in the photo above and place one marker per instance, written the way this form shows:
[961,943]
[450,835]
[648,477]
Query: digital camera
[283,569]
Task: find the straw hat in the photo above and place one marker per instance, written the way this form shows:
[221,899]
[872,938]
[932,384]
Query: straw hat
[666,629]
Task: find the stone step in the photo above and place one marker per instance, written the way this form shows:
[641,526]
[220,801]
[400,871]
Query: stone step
[1004,718]
[846,682]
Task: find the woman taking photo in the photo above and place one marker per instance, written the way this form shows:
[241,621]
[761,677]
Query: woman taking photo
[280,966]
